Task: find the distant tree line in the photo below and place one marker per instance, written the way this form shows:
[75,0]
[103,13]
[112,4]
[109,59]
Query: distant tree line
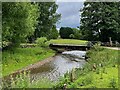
[26,21]
[70,33]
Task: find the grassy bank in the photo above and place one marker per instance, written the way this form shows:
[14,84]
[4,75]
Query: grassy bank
[68,41]
[101,71]
[19,58]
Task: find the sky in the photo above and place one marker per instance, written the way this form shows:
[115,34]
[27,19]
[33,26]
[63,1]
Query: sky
[70,14]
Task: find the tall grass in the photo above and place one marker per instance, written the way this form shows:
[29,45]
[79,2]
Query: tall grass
[19,58]
[23,81]
[101,70]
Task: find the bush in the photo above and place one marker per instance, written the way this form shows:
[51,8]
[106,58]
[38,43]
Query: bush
[42,42]
[97,47]
[22,80]
[113,83]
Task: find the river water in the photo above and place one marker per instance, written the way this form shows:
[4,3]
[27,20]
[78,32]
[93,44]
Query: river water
[60,64]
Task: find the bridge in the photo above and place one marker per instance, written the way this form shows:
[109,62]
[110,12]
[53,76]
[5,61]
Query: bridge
[62,47]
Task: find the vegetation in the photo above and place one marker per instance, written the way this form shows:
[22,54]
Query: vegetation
[102,22]
[19,58]
[65,32]
[53,33]
[47,19]
[24,22]
[77,33]
[41,42]
[23,81]
[70,33]
[18,21]
[68,41]
[101,71]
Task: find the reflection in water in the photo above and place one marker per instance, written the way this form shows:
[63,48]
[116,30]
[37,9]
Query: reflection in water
[56,68]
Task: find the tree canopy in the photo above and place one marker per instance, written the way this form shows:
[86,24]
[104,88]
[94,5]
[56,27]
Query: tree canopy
[65,32]
[47,18]
[18,21]
[24,21]
[100,20]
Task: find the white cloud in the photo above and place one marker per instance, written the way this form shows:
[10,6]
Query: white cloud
[70,13]
[70,0]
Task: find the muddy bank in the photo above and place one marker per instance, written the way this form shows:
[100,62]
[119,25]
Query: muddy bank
[30,67]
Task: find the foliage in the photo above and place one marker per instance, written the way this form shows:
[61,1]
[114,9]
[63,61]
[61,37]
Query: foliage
[77,33]
[89,77]
[63,80]
[70,33]
[65,32]
[100,23]
[113,83]
[23,81]
[42,83]
[97,47]
[41,42]
[71,36]
[47,19]
[68,41]
[19,58]
[53,33]
[18,21]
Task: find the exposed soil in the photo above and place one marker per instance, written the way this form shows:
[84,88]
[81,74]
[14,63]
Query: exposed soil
[31,67]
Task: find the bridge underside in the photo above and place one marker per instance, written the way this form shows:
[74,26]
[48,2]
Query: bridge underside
[69,47]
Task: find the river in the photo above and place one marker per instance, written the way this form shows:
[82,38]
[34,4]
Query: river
[60,64]
[55,68]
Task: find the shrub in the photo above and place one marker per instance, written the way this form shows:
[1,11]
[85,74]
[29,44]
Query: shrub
[42,42]
[63,80]
[20,81]
[23,81]
[112,83]
[97,47]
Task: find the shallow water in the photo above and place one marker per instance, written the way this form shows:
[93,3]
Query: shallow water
[57,67]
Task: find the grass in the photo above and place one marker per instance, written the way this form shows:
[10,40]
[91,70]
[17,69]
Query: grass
[23,81]
[93,80]
[68,41]
[104,76]
[43,83]
[19,58]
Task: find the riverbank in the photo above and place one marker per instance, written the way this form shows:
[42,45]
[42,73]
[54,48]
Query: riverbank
[101,71]
[19,58]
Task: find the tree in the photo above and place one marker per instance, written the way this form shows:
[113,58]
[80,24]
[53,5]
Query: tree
[77,33]
[65,32]
[18,21]
[53,33]
[47,19]
[99,20]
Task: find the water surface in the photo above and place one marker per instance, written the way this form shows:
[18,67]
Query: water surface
[57,67]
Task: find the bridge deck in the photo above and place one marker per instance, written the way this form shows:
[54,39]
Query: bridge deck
[69,47]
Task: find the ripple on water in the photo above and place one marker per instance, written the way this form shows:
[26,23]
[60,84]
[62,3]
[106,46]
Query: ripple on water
[59,66]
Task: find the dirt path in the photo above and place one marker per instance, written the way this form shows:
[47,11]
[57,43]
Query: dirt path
[114,48]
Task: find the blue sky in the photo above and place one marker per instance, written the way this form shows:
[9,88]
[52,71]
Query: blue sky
[70,14]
